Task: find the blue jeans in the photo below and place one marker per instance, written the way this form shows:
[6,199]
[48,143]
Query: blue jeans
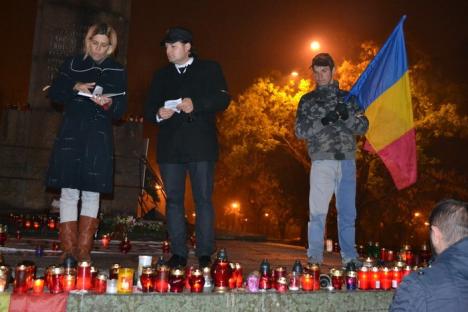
[201,178]
[328,177]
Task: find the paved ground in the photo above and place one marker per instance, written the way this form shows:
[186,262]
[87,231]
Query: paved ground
[249,254]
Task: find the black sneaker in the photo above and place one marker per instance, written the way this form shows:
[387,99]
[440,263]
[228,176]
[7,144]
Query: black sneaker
[177,261]
[204,261]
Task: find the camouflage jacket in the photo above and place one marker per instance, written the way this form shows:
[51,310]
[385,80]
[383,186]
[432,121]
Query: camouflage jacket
[334,141]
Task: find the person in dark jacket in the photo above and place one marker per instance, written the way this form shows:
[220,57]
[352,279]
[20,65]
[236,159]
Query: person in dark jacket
[444,285]
[183,101]
[82,157]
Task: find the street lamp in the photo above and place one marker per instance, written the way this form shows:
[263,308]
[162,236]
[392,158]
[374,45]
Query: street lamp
[294,74]
[315,45]
[417,214]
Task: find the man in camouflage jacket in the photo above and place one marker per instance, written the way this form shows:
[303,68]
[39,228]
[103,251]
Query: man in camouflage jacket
[330,125]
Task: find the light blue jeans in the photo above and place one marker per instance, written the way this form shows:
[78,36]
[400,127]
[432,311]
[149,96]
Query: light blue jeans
[328,177]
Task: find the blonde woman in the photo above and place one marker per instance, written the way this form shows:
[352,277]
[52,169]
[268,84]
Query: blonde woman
[81,164]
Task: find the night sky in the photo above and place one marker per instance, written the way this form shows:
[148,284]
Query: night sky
[254,38]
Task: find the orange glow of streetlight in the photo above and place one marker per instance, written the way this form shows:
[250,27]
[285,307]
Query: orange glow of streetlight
[194,214]
[417,214]
[267,214]
[235,205]
[294,74]
[426,223]
[315,45]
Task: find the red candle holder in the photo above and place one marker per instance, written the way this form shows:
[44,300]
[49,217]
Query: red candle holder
[188,274]
[374,278]
[55,246]
[177,280]
[337,279]
[197,281]
[279,272]
[36,225]
[20,285]
[125,245]
[69,279]
[161,279]
[314,270]
[146,279]
[238,275]
[383,254]
[18,235]
[390,256]
[409,256]
[105,241]
[281,285]
[396,277]
[385,278]
[27,224]
[84,277]
[114,271]
[30,273]
[52,224]
[56,280]
[406,271]
[424,255]
[363,278]
[3,234]
[165,247]
[100,285]
[222,273]
[307,282]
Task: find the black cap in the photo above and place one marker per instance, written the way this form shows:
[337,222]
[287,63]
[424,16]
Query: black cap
[176,34]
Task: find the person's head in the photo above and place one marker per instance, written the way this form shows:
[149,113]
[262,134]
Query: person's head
[449,224]
[323,69]
[100,42]
[178,44]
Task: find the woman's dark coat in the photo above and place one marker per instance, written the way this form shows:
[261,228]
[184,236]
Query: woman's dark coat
[82,156]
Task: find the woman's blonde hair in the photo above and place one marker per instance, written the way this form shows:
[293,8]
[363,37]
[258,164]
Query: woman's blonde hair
[100,29]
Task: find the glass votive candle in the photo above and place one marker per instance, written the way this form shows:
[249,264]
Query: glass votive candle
[337,279]
[396,277]
[143,261]
[100,286]
[114,271]
[363,278]
[385,278]
[222,273]
[279,273]
[307,282]
[146,279]
[197,281]
[69,279]
[111,286]
[3,234]
[238,275]
[253,281]
[375,278]
[105,241]
[20,285]
[38,286]
[83,276]
[94,274]
[125,281]
[281,284]
[4,277]
[314,270]
[177,280]
[56,280]
[207,276]
[3,281]
[351,280]
[161,279]
[406,271]
[30,273]
[294,281]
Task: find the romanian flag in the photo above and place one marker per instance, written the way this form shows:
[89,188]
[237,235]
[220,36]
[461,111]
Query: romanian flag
[383,91]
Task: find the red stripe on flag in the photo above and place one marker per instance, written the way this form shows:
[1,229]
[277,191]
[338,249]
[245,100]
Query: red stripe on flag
[400,159]
[42,302]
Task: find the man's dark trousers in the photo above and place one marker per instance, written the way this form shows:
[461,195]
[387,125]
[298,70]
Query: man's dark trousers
[201,178]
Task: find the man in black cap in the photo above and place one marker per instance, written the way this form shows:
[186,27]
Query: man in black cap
[183,101]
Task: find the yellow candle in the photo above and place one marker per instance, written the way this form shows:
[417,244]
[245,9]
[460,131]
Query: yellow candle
[125,281]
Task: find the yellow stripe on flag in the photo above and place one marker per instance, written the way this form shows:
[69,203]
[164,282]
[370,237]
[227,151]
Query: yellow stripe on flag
[390,115]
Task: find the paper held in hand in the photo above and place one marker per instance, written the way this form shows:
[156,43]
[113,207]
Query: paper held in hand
[98,91]
[172,104]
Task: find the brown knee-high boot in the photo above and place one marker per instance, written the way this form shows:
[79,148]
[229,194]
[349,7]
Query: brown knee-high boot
[68,232]
[87,228]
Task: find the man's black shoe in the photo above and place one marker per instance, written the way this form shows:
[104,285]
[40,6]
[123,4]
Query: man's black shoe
[204,261]
[177,261]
